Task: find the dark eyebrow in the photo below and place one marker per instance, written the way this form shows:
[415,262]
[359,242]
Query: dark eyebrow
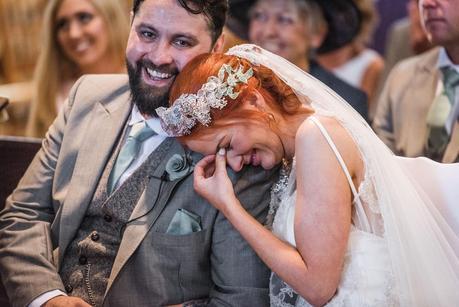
[174,36]
[189,36]
[145,25]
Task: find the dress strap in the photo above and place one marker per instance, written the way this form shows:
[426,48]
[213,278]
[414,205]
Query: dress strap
[339,157]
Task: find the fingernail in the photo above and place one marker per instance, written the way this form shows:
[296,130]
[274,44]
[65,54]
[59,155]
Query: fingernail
[222,151]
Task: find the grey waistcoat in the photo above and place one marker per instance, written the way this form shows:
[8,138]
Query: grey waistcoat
[89,258]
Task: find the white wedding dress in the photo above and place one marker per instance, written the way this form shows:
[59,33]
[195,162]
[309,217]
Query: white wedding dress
[367,278]
[401,250]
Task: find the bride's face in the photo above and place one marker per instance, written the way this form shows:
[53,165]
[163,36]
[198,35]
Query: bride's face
[247,144]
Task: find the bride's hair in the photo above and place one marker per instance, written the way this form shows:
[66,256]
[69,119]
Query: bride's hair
[277,94]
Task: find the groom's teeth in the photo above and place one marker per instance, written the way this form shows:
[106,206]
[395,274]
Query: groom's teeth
[156,74]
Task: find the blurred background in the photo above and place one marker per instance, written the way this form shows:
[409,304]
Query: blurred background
[36,93]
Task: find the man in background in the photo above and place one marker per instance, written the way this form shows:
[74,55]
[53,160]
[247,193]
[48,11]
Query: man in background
[418,108]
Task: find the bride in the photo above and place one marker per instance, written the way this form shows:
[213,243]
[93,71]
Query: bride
[351,228]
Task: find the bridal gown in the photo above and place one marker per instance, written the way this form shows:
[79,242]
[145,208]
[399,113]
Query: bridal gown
[367,277]
[402,249]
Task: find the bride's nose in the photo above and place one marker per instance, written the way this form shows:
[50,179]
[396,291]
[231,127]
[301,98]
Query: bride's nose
[235,162]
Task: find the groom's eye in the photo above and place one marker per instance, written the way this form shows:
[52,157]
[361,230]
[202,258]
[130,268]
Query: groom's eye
[182,43]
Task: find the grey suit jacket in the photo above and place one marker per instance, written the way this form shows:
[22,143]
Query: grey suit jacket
[152,268]
[410,89]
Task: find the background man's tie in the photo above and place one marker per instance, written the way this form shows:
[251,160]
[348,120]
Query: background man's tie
[438,114]
[129,152]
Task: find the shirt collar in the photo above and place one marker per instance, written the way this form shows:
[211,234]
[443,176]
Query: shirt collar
[154,122]
[445,61]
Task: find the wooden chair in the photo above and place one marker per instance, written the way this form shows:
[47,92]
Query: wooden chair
[16,153]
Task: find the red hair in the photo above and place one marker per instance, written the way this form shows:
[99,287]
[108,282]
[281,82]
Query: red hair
[277,94]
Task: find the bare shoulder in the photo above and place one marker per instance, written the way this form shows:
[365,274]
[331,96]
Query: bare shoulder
[309,134]
[310,143]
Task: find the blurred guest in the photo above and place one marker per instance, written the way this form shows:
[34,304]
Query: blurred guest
[20,22]
[237,23]
[418,108]
[389,11]
[293,29]
[79,37]
[344,50]
[18,51]
[406,38]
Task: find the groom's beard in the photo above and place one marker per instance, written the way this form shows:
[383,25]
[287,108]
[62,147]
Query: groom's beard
[148,98]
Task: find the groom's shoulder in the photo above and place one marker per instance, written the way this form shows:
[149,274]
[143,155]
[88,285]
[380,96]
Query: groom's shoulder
[100,87]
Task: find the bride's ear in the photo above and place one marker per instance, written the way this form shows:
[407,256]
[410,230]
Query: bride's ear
[255,101]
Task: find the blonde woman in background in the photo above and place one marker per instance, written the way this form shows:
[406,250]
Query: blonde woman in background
[79,37]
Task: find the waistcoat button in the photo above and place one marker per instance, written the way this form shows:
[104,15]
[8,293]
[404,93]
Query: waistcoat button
[107,218]
[95,236]
[83,260]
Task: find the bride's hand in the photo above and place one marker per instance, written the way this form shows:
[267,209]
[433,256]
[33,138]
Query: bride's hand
[211,180]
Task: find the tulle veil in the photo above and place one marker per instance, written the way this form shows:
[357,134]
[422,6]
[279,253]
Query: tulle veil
[423,249]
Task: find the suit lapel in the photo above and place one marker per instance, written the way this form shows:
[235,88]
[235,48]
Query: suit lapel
[101,136]
[151,204]
[424,80]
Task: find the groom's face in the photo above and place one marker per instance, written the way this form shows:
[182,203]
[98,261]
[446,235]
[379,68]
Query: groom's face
[164,37]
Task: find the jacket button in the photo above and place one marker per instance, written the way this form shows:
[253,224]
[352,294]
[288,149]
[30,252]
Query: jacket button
[107,218]
[83,260]
[95,236]
[68,289]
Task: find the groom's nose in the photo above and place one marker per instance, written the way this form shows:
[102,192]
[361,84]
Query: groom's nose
[161,53]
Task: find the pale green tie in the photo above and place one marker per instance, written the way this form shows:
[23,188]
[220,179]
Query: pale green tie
[128,153]
[438,137]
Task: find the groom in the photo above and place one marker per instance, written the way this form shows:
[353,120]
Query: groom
[106,214]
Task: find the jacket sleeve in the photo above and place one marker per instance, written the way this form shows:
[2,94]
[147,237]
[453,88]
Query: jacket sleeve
[239,276]
[26,249]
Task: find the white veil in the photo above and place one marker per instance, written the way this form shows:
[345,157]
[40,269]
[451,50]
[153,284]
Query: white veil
[423,249]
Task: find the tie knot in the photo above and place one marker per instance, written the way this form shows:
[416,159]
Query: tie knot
[140,131]
[450,76]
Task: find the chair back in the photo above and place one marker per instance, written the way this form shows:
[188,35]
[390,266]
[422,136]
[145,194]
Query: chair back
[16,153]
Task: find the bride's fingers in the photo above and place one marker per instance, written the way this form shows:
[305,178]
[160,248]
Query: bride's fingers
[220,160]
[200,169]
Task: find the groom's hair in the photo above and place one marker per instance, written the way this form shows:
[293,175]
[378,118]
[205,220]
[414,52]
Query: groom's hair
[215,12]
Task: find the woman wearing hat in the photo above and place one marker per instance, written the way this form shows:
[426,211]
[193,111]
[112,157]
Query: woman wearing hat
[344,50]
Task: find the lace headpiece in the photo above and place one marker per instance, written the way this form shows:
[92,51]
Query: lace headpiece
[189,109]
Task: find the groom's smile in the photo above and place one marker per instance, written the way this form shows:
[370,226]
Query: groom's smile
[158,77]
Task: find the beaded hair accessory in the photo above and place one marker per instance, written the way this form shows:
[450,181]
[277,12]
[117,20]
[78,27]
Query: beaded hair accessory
[188,109]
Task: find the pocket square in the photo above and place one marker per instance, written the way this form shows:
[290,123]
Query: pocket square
[184,222]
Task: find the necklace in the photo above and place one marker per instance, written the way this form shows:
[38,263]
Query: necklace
[278,190]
